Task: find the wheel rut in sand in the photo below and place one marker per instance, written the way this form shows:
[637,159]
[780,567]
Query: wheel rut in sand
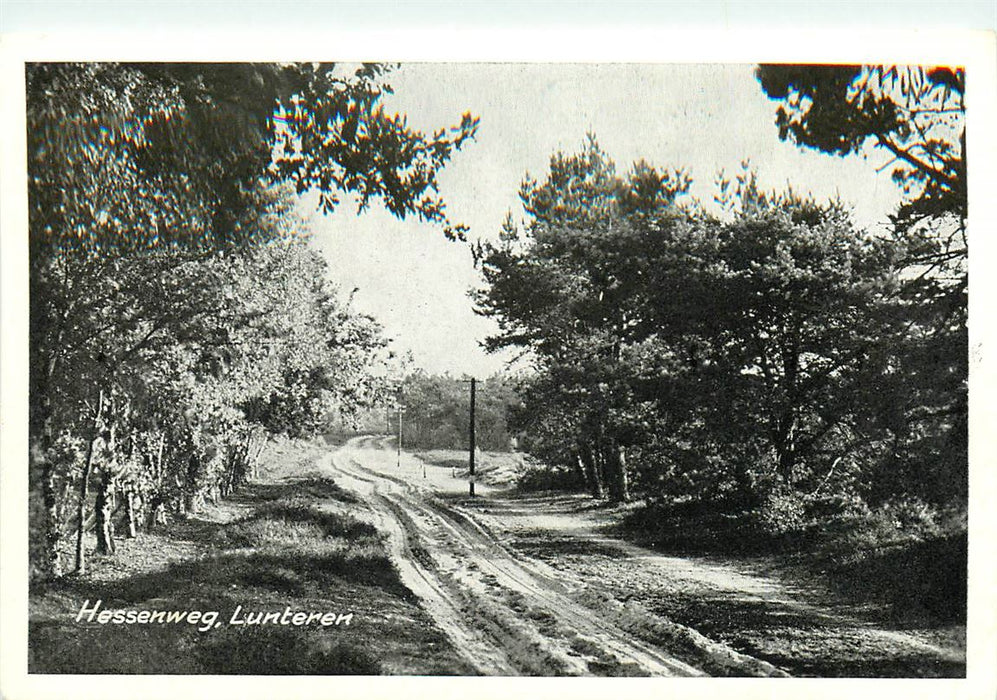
[509,614]
[532,585]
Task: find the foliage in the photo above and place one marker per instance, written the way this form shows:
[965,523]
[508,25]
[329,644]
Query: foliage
[191,142]
[566,288]
[437,412]
[761,359]
[177,317]
[917,115]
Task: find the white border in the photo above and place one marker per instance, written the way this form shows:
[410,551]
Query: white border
[976,50]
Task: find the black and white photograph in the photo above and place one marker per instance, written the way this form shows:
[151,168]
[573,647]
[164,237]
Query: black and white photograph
[478,368]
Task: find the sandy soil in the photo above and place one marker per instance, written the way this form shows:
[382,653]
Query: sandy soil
[534,586]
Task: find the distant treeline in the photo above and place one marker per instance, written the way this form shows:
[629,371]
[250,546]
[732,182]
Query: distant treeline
[436,412]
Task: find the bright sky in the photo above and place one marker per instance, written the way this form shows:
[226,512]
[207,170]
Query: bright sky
[704,118]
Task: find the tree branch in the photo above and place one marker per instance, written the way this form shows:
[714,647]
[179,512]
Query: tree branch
[935,174]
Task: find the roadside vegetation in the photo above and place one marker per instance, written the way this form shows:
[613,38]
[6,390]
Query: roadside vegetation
[762,375]
[437,412]
[902,561]
[759,378]
[291,538]
[179,319]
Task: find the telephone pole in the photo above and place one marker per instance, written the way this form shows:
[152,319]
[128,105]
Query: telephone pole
[398,462]
[471,456]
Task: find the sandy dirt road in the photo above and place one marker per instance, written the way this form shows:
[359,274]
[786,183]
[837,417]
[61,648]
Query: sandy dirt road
[526,587]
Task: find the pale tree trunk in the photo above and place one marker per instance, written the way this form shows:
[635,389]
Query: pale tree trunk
[579,466]
[254,462]
[785,443]
[601,468]
[159,461]
[131,514]
[786,447]
[104,506]
[189,499]
[51,564]
[616,467]
[592,477]
[131,496]
[81,511]
[159,514]
[157,507]
[622,476]
[181,503]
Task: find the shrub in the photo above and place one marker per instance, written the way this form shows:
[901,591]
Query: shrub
[913,516]
[549,478]
[781,513]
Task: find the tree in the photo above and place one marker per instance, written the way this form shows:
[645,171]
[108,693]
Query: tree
[782,308]
[200,136]
[567,289]
[917,115]
[149,186]
[437,411]
[686,354]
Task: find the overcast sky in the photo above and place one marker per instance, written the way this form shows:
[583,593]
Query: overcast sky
[703,118]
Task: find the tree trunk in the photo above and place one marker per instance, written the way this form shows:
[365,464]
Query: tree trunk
[622,476]
[592,478]
[159,461]
[254,462]
[579,466]
[787,453]
[616,468]
[81,511]
[131,514]
[156,513]
[51,564]
[103,508]
[242,471]
[786,441]
[189,499]
[104,505]
[40,432]
[601,470]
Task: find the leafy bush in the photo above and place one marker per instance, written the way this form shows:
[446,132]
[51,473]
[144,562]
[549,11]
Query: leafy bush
[913,516]
[545,478]
[781,513]
[905,554]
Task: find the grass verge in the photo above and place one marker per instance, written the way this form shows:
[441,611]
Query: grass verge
[907,570]
[293,540]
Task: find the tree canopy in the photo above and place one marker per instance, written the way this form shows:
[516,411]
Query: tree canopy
[178,317]
[916,114]
[748,357]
